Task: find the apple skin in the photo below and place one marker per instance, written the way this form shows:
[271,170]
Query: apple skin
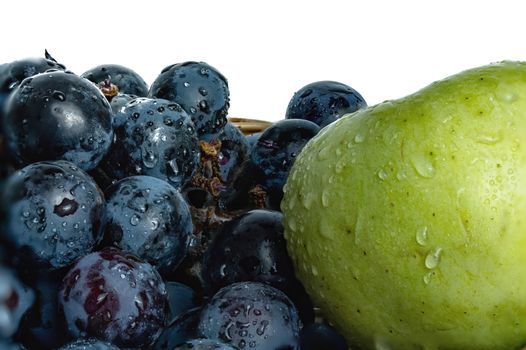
[406,221]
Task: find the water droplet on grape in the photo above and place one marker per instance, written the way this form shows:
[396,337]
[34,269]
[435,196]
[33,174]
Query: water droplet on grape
[173,171]
[59,96]
[155,224]
[149,159]
[134,221]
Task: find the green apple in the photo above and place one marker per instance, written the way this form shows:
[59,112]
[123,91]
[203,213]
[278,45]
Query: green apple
[406,221]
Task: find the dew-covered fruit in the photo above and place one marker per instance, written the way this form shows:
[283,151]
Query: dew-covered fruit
[181,329]
[275,152]
[153,137]
[232,153]
[200,89]
[181,298]
[149,218]
[12,73]
[43,326]
[250,247]
[405,221]
[120,100]
[113,296]
[127,80]
[323,102]
[54,214]
[58,116]
[252,315]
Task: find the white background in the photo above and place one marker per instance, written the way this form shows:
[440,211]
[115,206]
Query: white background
[270,49]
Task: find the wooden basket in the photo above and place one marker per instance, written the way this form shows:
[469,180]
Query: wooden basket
[250,126]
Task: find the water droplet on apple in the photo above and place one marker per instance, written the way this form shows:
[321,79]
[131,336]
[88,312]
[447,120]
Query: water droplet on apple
[433,258]
[339,166]
[291,223]
[489,139]
[381,343]
[359,226]
[423,166]
[307,200]
[505,94]
[359,138]
[326,230]
[314,271]
[292,201]
[323,153]
[325,198]
[382,174]
[421,235]
[427,277]
[401,175]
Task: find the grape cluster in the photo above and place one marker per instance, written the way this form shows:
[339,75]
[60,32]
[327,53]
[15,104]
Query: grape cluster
[136,217]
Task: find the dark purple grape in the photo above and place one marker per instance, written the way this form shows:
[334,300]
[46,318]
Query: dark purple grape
[15,301]
[323,102]
[113,296]
[54,214]
[251,247]
[126,79]
[240,195]
[181,298]
[119,101]
[321,336]
[149,218]
[252,139]
[8,345]
[3,99]
[154,137]
[44,326]
[58,115]
[12,74]
[251,315]
[204,344]
[232,153]
[200,89]
[89,344]
[180,330]
[275,151]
